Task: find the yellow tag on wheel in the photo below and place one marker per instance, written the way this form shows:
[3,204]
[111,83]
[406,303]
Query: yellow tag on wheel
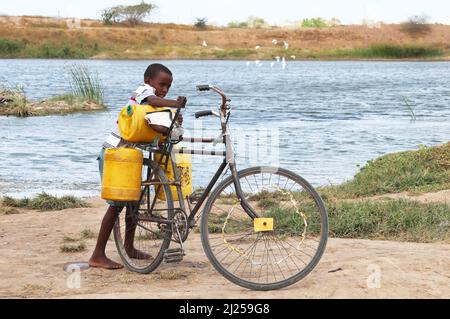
[263,224]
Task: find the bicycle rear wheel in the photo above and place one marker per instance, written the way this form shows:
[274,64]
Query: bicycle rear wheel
[279,248]
[140,234]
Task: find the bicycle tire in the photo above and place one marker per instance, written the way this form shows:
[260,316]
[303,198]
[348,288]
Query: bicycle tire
[257,285]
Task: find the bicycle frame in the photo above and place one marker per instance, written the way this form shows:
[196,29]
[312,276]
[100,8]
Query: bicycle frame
[228,155]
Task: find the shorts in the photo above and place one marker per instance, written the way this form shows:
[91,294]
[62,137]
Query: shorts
[101,159]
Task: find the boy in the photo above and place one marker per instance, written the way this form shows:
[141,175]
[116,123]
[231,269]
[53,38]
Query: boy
[157,82]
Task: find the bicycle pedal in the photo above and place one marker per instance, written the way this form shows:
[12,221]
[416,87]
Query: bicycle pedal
[174,255]
[195,197]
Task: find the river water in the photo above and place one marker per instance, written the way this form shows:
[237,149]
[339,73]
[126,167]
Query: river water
[323,120]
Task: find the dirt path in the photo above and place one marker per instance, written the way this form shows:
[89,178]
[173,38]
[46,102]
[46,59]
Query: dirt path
[437,197]
[31,265]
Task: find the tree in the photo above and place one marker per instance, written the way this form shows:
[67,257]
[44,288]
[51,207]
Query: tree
[201,23]
[416,26]
[137,13]
[256,22]
[111,16]
[134,14]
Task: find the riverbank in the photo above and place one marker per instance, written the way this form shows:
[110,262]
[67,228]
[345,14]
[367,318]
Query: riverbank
[37,37]
[15,103]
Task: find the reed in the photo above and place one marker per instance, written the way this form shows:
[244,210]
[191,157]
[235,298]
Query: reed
[85,85]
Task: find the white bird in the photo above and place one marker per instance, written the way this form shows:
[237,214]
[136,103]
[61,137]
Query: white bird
[257,47]
[204,43]
[272,64]
[275,41]
[293,57]
[286,45]
[283,63]
[277,58]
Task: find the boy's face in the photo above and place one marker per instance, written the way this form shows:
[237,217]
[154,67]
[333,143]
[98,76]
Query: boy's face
[162,83]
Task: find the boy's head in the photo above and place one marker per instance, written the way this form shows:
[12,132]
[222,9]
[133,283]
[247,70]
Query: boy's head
[159,77]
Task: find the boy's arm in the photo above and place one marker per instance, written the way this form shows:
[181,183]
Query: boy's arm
[160,102]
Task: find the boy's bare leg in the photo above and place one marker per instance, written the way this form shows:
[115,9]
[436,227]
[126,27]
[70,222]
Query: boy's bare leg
[98,258]
[130,231]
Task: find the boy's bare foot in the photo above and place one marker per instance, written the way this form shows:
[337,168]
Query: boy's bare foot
[105,263]
[137,254]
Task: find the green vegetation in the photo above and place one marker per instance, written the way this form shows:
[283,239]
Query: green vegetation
[314,23]
[85,85]
[80,48]
[399,220]
[424,170]
[10,47]
[389,51]
[131,14]
[201,23]
[87,95]
[251,22]
[73,248]
[45,202]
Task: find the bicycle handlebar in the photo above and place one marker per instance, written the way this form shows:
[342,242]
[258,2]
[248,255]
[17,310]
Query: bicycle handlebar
[208,87]
[203,113]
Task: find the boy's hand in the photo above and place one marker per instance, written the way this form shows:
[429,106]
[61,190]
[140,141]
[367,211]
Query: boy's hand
[182,100]
[180,119]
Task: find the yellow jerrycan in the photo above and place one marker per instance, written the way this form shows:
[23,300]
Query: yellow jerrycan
[122,174]
[133,126]
[184,169]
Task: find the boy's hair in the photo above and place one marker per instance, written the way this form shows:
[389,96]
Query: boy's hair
[154,69]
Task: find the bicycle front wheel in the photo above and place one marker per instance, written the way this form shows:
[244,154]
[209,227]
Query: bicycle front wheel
[278,248]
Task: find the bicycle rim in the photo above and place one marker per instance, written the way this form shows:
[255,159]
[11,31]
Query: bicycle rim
[281,247]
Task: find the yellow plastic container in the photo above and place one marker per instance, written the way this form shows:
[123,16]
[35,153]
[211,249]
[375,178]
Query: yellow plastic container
[133,126]
[122,174]
[184,169]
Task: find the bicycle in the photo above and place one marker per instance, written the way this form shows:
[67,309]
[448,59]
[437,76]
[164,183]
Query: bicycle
[262,228]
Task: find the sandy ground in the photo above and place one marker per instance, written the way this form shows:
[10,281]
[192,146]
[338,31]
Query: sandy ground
[437,197]
[31,266]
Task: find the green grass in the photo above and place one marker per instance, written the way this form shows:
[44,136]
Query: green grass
[81,48]
[45,202]
[399,220]
[390,51]
[10,47]
[86,85]
[423,170]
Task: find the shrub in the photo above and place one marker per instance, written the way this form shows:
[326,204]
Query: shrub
[85,85]
[416,26]
[201,23]
[8,47]
[314,23]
